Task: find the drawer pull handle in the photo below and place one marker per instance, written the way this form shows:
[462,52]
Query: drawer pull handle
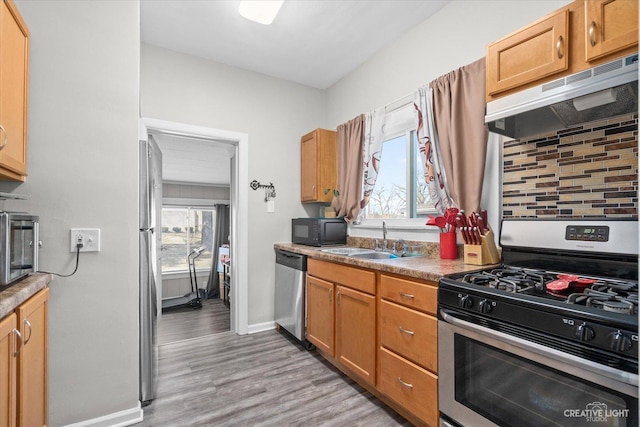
[4,140]
[330,293]
[559,48]
[592,33]
[404,331]
[18,342]
[403,295]
[28,325]
[407,385]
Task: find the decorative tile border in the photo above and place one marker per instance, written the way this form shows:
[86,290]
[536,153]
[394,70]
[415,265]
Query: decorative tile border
[589,171]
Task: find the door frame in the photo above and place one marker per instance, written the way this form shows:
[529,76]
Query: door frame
[239,205]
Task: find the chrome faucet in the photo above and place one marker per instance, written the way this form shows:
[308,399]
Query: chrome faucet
[384,235]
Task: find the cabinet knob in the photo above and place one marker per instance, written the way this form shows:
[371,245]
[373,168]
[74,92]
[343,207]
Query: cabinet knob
[592,33]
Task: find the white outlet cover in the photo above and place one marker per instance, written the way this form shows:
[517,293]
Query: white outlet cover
[90,239]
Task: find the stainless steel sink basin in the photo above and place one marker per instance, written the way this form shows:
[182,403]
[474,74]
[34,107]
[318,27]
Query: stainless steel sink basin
[348,251]
[374,255]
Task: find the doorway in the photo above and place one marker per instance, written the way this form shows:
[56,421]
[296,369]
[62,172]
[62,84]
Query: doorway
[237,143]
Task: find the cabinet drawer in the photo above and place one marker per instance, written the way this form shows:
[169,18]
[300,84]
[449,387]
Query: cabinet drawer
[411,334]
[353,277]
[409,385]
[412,294]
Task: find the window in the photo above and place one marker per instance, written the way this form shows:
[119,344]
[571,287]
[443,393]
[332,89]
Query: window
[183,230]
[400,192]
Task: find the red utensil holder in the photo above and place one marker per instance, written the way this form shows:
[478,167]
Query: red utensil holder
[448,246]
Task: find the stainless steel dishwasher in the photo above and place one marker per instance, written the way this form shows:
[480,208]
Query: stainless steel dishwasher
[290,300]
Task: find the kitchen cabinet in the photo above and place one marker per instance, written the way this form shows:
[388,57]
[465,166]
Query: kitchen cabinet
[318,167]
[350,316]
[23,363]
[320,314]
[14,81]
[534,52]
[32,360]
[8,369]
[408,350]
[579,36]
[611,25]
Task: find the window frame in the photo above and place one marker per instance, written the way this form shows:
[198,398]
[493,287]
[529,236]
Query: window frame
[188,204]
[398,122]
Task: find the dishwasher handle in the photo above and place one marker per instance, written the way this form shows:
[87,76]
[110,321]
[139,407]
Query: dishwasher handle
[291,259]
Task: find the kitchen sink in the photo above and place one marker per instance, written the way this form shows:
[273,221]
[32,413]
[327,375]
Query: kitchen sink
[363,253]
[348,251]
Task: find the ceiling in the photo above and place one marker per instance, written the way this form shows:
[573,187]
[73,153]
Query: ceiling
[311,42]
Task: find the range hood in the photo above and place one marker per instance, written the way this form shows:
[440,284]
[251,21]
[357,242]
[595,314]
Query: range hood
[607,90]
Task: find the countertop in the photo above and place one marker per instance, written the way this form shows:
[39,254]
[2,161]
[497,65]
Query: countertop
[430,267]
[21,291]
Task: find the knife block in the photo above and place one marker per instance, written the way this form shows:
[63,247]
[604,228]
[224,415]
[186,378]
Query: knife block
[483,254]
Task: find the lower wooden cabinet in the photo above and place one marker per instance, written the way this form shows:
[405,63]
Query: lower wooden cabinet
[32,360]
[8,371]
[23,364]
[320,314]
[413,387]
[356,332]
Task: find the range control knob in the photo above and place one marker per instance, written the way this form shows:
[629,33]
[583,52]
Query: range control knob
[619,342]
[484,306]
[465,301]
[585,332]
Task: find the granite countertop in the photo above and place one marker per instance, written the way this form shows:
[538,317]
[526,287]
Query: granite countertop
[429,267]
[16,294]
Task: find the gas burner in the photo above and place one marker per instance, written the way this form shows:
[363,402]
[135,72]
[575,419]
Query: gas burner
[607,299]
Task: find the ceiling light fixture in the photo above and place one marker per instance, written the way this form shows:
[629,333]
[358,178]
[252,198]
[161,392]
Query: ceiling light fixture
[261,11]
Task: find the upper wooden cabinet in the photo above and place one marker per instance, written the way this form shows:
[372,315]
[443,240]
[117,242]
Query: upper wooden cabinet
[14,82]
[318,169]
[582,35]
[529,54]
[611,25]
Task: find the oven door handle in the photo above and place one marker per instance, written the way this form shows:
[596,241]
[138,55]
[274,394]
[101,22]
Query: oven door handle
[606,371]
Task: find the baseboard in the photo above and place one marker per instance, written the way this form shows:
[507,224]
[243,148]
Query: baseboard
[261,327]
[117,419]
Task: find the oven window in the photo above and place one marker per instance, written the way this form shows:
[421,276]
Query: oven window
[511,391]
[21,241]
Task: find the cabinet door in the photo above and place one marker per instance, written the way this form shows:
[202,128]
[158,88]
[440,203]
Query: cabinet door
[14,69]
[318,169]
[611,25]
[536,51]
[32,361]
[7,371]
[320,314]
[356,332]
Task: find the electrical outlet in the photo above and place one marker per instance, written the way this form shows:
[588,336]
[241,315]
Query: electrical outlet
[89,237]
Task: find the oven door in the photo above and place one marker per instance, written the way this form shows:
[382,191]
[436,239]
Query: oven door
[489,378]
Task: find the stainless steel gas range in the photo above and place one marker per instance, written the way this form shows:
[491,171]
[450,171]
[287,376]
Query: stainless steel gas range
[550,337]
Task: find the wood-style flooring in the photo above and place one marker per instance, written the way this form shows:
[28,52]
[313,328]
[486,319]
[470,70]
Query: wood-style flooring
[263,379]
[178,324]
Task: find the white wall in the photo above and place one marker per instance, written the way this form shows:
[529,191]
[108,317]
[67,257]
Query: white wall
[83,161]
[455,36]
[274,113]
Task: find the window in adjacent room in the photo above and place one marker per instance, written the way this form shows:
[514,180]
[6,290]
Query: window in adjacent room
[183,230]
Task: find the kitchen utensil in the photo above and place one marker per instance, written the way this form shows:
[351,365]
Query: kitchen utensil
[441,222]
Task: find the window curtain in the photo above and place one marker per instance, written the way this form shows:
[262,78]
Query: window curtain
[349,146]
[459,109]
[434,172]
[221,237]
[373,140]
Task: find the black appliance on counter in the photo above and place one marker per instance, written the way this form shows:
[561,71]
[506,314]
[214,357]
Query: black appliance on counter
[550,337]
[319,231]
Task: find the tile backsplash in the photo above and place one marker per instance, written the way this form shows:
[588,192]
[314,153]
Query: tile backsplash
[588,171]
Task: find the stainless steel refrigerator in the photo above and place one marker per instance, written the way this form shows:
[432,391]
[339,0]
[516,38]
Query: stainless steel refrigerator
[150,274]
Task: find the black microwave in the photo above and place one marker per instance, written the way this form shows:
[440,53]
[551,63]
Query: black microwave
[319,231]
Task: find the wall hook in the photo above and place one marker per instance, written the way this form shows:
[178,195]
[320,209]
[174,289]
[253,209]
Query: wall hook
[269,190]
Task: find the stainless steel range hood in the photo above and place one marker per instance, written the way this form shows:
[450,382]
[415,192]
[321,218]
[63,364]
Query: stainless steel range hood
[604,91]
